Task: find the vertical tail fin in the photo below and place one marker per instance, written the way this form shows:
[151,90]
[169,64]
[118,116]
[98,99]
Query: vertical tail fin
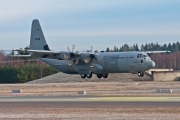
[37,41]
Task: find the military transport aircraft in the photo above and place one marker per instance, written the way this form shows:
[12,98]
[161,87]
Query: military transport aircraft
[88,63]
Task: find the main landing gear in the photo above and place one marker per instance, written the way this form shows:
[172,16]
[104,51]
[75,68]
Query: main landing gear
[102,75]
[140,74]
[98,75]
[86,75]
[83,76]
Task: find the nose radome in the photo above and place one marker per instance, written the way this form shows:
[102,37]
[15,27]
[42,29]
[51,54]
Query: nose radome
[153,63]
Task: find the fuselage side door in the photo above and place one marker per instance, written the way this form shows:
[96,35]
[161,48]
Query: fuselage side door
[106,63]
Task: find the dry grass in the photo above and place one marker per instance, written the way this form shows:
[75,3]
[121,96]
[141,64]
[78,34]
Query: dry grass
[93,88]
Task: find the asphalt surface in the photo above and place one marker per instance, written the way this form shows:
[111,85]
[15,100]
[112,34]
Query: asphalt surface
[88,108]
[88,99]
[97,103]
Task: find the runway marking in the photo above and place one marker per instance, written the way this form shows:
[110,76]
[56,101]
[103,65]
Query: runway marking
[131,99]
[84,98]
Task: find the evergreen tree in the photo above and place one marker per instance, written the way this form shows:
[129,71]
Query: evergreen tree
[126,47]
[136,47]
[107,50]
[142,48]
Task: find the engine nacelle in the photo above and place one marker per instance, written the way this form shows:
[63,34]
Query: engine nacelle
[63,55]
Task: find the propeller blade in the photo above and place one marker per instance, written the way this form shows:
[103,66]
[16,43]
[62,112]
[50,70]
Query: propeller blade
[91,49]
[68,49]
[66,57]
[70,62]
[73,47]
[77,60]
[86,60]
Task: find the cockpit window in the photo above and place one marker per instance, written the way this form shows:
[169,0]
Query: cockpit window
[141,56]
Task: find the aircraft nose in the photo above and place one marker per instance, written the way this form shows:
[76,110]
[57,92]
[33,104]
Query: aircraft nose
[152,64]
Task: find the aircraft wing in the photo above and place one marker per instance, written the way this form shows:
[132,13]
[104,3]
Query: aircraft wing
[43,51]
[151,52]
[19,55]
[61,55]
[44,54]
[38,53]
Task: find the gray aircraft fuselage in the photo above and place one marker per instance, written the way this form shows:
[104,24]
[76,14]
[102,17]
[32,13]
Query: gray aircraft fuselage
[108,62]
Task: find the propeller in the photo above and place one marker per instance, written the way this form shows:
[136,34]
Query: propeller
[74,57]
[91,56]
[71,56]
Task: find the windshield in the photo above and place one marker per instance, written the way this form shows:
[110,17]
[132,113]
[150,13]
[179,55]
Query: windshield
[141,56]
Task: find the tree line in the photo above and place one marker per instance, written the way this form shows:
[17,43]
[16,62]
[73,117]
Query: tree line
[21,70]
[174,47]
[24,73]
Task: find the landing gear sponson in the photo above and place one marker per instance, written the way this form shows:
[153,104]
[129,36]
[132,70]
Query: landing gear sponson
[98,75]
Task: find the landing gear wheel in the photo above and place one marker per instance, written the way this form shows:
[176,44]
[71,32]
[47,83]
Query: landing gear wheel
[83,76]
[105,75]
[99,75]
[140,74]
[89,75]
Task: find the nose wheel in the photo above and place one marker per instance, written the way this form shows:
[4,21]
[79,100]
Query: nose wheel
[140,74]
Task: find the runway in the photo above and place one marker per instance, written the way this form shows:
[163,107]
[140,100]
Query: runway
[88,107]
[85,99]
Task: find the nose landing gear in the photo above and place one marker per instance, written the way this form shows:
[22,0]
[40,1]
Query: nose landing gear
[141,74]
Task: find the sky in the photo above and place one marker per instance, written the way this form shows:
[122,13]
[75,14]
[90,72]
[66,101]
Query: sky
[85,23]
